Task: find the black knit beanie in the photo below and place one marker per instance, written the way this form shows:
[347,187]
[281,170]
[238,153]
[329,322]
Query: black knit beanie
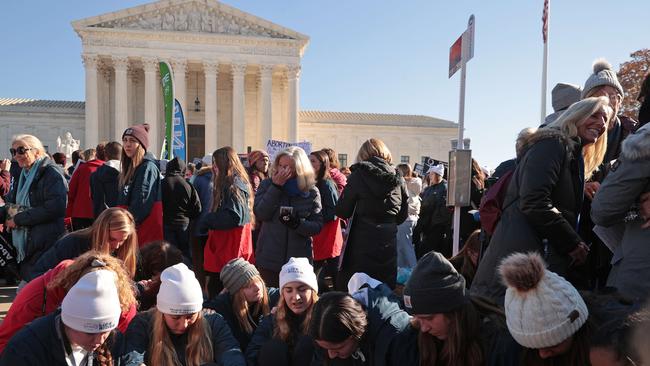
[434,287]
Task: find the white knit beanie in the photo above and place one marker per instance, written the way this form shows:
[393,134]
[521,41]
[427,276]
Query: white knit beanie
[180,292]
[542,308]
[92,305]
[438,169]
[298,269]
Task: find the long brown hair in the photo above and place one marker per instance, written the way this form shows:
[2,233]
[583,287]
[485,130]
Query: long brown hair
[197,351]
[463,343]
[230,168]
[463,259]
[129,165]
[241,309]
[99,233]
[284,329]
[324,172]
[84,264]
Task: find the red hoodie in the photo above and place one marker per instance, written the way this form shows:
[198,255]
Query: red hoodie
[80,203]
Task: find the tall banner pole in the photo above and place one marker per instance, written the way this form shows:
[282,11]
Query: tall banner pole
[168,103]
[545,22]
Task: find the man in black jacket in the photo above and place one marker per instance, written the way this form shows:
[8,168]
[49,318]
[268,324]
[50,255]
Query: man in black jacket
[104,181]
[180,204]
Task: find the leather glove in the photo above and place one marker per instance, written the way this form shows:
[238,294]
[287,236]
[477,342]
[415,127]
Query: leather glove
[290,221]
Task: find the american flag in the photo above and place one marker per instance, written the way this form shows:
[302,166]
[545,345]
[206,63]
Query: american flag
[545,21]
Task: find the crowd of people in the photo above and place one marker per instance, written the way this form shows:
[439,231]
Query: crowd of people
[292,259]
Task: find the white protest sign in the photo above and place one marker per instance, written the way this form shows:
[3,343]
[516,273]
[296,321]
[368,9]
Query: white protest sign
[273,147]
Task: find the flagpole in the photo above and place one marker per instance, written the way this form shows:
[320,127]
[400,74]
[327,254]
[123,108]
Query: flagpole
[545,29]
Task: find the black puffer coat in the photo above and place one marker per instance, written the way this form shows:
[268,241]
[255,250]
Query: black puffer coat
[48,197]
[541,210]
[377,196]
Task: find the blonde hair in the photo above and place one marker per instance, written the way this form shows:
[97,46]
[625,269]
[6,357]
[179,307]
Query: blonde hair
[99,233]
[283,326]
[197,351]
[575,116]
[129,165]
[89,154]
[32,142]
[84,264]
[304,171]
[374,147]
[241,310]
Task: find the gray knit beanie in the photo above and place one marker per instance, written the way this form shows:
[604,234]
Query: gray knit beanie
[236,274]
[563,95]
[603,75]
[434,287]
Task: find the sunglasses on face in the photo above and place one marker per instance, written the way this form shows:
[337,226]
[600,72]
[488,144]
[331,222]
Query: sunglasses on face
[21,150]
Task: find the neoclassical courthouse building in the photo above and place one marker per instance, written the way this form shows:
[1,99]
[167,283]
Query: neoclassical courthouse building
[236,76]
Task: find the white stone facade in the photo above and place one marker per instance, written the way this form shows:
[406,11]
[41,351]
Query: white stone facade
[243,69]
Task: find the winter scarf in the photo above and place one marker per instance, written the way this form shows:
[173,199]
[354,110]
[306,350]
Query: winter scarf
[19,234]
[292,189]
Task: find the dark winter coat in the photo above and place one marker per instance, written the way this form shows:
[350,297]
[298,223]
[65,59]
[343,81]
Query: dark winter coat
[277,242]
[222,304]
[68,247]
[263,345]
[138,336]
[180,200]
[541,210]
[143,191]
[433,211]
[40,343]
[386,320]
[616,205]
[104,187]
[203,184]
[376,194]
[48,197]
[232,211]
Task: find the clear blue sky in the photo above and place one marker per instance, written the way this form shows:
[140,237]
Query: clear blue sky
[373,55]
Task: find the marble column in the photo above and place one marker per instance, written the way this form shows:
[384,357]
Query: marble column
[293,78]
[211,71]
[91,137]
[238,107]
[150,66]
[179,69]
[265,106]
[120,65]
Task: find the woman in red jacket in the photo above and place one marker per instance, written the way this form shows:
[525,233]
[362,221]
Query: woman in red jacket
[45,293]
[80,203]
[327,244]
[229,222]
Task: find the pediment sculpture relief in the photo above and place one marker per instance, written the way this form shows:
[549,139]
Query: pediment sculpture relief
[192,18]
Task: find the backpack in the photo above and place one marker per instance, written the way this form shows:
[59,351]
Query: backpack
[492,203]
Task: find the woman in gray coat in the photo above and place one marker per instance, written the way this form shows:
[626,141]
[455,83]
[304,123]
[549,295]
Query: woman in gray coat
[288,206]
[617,203]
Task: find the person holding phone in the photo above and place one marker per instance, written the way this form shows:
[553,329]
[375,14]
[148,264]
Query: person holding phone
[289,206]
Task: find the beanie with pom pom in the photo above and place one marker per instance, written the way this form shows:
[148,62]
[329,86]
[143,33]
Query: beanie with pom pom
[542,309]
[603,75]
[140,133]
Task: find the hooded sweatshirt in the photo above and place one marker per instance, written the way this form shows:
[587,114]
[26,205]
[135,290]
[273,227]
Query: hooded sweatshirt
[180,200]
[104,186]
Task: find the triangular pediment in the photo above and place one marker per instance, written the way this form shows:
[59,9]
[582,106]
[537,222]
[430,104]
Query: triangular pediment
[195,16]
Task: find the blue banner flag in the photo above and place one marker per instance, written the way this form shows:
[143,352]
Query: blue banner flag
[178,135]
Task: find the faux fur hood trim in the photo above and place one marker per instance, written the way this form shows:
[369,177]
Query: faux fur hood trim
[380,170]
[637,146]
[204,170]
[544,133]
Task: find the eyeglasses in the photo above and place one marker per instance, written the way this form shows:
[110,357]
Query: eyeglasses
[21,150]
